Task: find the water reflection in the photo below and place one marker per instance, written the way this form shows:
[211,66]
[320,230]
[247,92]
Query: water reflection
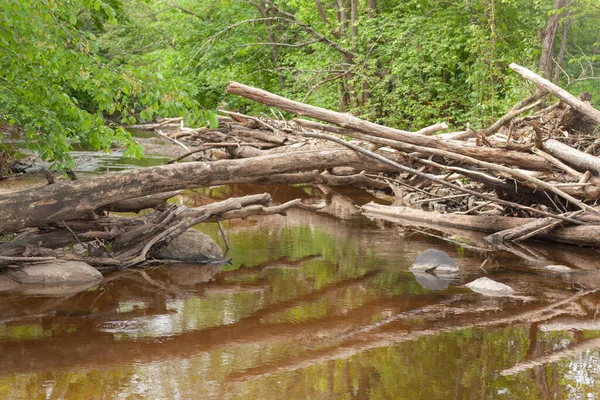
[313,306]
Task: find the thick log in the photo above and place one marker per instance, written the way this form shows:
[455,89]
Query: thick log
[578,159]
[515,158]
[583,235]
[140,203]
[76,199]
[581,106]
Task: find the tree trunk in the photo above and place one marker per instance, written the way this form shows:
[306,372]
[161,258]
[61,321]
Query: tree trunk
[76,199]
[561,52]
[514,158]
[582,107]
[583,235]
[549,36]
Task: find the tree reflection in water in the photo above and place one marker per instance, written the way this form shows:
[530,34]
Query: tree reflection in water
[313,307]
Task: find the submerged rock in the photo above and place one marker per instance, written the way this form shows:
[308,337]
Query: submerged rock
[489,287]
[191,246]
[54,290]
[58,272]
[558,268]
[435,261]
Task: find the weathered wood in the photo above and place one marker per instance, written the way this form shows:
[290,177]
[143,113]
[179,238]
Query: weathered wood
[71,200]
[495,167]
[520,231]
[582,235]
[581,106]
[578,159]
[523,160]
[140,203]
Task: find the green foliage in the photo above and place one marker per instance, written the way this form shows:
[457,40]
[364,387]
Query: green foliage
[414,62]
[59,90]
[406,64]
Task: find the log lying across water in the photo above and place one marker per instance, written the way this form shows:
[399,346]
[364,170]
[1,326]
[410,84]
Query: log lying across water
[518,166]
[62,201]
[509,169]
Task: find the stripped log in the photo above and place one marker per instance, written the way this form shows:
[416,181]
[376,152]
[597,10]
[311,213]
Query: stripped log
[544,84]
[583,235]
[578,159]
[515,158]
[76,199]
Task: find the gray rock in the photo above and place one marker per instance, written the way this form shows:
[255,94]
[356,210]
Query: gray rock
[58,272]
[489,287]
[558,268]
[434,261]
[191,246]
[6,283]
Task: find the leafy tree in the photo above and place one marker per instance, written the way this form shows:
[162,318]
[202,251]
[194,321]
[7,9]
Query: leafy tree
[59,90]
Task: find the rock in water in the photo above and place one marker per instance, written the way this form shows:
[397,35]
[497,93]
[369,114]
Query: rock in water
[489,287]
[191,246]
[63,272]
[435,261]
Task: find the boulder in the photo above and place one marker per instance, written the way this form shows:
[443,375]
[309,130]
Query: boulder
[434,261]
[56,272]
[489,287]
[191,246]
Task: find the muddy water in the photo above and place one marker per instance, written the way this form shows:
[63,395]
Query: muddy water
[315,305]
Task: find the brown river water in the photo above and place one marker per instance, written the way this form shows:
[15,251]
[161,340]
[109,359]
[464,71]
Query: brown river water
[313,306]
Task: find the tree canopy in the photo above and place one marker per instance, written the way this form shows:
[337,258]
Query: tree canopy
[70,66]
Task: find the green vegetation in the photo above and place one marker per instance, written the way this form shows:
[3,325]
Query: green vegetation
[405,64]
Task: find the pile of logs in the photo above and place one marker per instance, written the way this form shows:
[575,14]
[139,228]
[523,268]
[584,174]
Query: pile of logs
[531,174]
[500,179]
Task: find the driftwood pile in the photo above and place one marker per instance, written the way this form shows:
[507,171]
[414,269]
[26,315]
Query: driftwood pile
[532,174]
[500,179]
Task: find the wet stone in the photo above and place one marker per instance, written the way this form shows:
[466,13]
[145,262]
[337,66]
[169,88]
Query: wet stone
[53,272]
[435,261]
[489,287]
[191,246]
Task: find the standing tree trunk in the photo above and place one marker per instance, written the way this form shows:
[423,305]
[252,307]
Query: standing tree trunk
[264,13]
[563,47]
[549,37]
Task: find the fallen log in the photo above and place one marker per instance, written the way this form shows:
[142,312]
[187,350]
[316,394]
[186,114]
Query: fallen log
[432,178]
[140,203]
[511,157]
[76,199]
[583,235]
[544,84]
[578,159]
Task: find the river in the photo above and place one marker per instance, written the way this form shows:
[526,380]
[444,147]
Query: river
[313,306]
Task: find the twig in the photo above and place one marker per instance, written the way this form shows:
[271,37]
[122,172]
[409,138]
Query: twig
[172,140]
[223,235]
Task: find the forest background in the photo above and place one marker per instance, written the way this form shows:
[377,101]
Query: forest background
[73,71]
